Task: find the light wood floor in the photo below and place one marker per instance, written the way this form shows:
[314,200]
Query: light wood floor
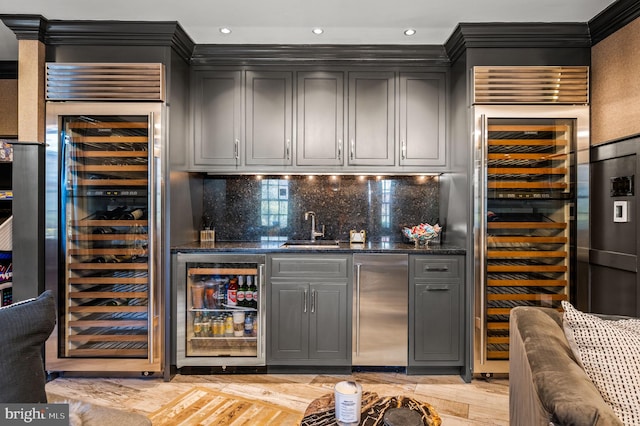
[481,402]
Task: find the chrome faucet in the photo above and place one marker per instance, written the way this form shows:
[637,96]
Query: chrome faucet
[314,233]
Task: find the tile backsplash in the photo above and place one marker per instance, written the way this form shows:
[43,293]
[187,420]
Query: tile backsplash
[251,208]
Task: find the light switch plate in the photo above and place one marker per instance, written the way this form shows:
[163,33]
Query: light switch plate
[620,211]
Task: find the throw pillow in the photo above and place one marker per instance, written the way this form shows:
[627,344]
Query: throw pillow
[609,351]
[25,327]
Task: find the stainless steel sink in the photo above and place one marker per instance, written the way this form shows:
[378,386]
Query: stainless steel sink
[311,244]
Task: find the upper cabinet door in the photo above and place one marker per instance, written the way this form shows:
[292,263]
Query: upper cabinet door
[320,115]
[217,113]
[269,118]
[371,118]
[422,119]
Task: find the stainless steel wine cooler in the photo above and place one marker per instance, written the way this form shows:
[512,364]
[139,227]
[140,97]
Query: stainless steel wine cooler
[529,170]
[103,236]
[220,309]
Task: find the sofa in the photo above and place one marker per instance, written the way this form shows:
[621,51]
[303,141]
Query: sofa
[25,327]
[547,385]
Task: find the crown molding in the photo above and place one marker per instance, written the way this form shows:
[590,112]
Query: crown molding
[26,27]
[255,54]
[520,35]
[101,33]
[613,18]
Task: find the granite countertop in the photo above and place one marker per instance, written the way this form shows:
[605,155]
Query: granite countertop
[344,247]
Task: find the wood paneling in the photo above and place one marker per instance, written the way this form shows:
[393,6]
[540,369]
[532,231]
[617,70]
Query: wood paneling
[8,108]
[615,87]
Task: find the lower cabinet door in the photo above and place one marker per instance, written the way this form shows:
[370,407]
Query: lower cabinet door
[438,322]
[328,333]
[289,337]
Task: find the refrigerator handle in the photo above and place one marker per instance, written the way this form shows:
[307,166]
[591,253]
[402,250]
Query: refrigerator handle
[313,301]
[151,252]
[358,266]
[483,237]
[261,312]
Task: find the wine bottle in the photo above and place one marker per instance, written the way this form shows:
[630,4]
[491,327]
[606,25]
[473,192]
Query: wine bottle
[134,214]
[109,214]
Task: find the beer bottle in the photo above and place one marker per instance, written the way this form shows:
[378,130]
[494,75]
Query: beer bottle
[248,295]
[255,296]
[232,292]
[242,290]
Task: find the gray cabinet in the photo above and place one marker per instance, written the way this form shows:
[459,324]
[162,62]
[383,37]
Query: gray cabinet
[269,116]
[320,112]
[308,310]
[371,133]
[318,121]
[436,311]
[422,119]
[217,118]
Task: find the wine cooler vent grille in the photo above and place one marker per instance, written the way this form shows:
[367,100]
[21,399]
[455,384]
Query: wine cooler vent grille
[105,82]
[531,85]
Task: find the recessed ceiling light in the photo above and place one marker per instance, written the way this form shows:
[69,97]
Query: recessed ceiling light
[317,31]
[225,30]
[409,32]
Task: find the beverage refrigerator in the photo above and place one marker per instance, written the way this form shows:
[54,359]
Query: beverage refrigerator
[103,235]
[529,168]
[220,309]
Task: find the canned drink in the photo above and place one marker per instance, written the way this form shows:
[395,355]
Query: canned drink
[348,396]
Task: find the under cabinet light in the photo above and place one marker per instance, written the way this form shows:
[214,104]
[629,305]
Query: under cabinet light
[225,30]
[317,31]
[409,32]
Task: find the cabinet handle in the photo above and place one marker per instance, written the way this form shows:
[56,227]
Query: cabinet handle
[288,150]
[353,149]
[436,269]
[304,302]
[404,149]
[339,149]
[358,266]
[437,288]
[236,150]
[313,301]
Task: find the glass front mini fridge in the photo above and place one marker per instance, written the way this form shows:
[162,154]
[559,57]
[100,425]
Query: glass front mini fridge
[220,309]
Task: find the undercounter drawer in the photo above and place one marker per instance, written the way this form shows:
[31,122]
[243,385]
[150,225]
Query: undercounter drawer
[316,266]
[437,266]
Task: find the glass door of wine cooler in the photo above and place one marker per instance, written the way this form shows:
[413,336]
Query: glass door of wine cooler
[108,208]
[525,217]
[220,310]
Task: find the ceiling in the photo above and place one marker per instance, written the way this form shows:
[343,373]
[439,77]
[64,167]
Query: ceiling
[291,21]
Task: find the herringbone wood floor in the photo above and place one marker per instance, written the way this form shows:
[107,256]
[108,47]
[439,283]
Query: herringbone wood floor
[481,402]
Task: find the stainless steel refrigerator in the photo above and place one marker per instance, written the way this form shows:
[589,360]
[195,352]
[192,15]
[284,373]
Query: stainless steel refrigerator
[104,213]
[380,310]
[531,163]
